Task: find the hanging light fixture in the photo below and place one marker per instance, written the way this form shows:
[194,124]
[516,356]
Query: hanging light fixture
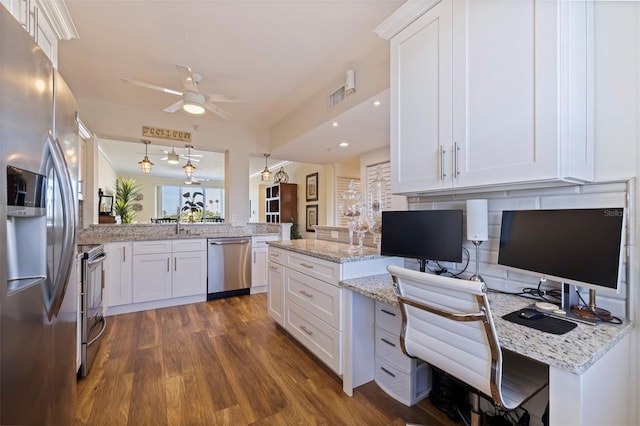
[173,157]
[265,174]
[145,164]
[189,168]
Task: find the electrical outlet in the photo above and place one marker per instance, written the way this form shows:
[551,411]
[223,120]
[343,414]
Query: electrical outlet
[334,235]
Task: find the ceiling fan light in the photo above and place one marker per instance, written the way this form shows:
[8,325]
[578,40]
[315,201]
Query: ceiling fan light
[172,157]
[193,103]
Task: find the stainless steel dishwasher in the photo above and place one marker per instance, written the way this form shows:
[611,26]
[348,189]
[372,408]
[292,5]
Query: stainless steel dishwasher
[228,267]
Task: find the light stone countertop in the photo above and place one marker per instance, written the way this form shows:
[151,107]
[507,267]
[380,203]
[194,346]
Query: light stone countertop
[327,250]
[102,234]
[574,351]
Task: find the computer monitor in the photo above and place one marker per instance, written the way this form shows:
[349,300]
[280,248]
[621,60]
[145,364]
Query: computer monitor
[423,235]
[583,247]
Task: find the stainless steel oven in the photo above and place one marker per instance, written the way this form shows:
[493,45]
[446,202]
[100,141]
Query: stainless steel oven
[92,321]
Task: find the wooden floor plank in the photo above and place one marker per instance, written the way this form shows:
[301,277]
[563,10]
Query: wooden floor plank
[223,362]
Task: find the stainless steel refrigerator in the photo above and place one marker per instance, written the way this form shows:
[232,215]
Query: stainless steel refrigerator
[39,145]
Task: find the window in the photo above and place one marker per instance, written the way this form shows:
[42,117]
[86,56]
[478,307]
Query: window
[170,198]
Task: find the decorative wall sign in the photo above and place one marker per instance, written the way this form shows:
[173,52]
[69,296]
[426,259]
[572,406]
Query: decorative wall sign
[312,217]
[157,132]
[312,187]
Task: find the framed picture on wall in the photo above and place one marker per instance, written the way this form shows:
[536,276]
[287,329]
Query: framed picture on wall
[312,187]
[312,217]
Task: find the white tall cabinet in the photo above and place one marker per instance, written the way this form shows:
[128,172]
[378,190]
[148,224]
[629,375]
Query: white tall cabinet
[487,93]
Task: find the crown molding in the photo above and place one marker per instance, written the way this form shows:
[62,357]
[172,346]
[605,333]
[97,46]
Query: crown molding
[401,18]
[57,14]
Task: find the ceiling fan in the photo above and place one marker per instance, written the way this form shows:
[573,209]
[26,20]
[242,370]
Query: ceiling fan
[192,100]
[173,157]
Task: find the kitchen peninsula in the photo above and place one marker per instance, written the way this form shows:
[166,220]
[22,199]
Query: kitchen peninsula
[152,266]
[328,298]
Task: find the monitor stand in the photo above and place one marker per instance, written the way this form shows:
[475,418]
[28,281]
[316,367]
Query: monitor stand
[577,311]
[423,265]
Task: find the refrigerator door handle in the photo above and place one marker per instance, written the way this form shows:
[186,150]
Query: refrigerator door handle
[69,230]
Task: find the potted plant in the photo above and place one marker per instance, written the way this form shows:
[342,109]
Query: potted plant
[127,196]
[191,205]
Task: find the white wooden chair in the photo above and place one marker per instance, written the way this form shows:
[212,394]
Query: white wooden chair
[447,323]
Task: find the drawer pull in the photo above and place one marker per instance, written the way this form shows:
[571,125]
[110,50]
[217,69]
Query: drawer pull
[273,268]
[388,342]
[306,294]
[387,371]
[306,265]
[303,328]
[275,255]
[387,312]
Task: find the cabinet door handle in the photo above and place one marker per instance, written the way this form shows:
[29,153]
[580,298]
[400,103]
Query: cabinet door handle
[254,258]
[456,152]
[303,328]
[387,371]
[387,342]
[442,173]
[387,312]
[168,266]
[175,263]
[306,265]
[124,254]
[309,295]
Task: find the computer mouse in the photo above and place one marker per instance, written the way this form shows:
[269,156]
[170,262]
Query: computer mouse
[529,313]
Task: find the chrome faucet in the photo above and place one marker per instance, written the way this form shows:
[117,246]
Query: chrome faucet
[178,230]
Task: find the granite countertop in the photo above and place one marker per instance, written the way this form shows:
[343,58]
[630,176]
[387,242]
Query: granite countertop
[327,250]
[148,232]
[574,351]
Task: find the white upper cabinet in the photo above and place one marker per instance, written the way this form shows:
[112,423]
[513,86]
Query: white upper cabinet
[47,21]
[490,93]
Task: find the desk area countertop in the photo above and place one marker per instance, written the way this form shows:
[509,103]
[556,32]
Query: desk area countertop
[573,352]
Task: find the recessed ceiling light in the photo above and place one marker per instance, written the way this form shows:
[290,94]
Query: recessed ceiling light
[343,144]
[376,103]
[334,124]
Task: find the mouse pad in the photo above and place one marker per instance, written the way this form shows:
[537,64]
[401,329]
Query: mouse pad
[544,323]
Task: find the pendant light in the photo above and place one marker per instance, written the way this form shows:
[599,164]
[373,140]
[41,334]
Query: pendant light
[145,164]
[173,157]
[189,168]
[265,174]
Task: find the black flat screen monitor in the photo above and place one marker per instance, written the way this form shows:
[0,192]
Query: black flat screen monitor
[423,235]
[583,247]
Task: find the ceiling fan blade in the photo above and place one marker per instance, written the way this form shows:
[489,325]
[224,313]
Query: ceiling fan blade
[174,107]
[187,78]
[151,86]
[229,98]
[217,110]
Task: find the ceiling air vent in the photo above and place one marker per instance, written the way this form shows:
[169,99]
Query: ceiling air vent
[336,97]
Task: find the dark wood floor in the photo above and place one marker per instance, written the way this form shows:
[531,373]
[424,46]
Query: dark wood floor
[223,362]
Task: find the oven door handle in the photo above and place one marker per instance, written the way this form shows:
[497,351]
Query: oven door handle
[104,327]
[97,260]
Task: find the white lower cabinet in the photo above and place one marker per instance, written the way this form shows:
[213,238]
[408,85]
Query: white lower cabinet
[118,268]
[306,299]
[275,294]
[259,262]
[406,379]
[140,272]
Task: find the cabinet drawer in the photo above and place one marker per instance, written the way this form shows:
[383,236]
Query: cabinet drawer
[319,298]
[388,318]
[257,242]
[150,247]
[403,387]
[322,340]
[199,244]
[277,255]
[388,348]
[318,268]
